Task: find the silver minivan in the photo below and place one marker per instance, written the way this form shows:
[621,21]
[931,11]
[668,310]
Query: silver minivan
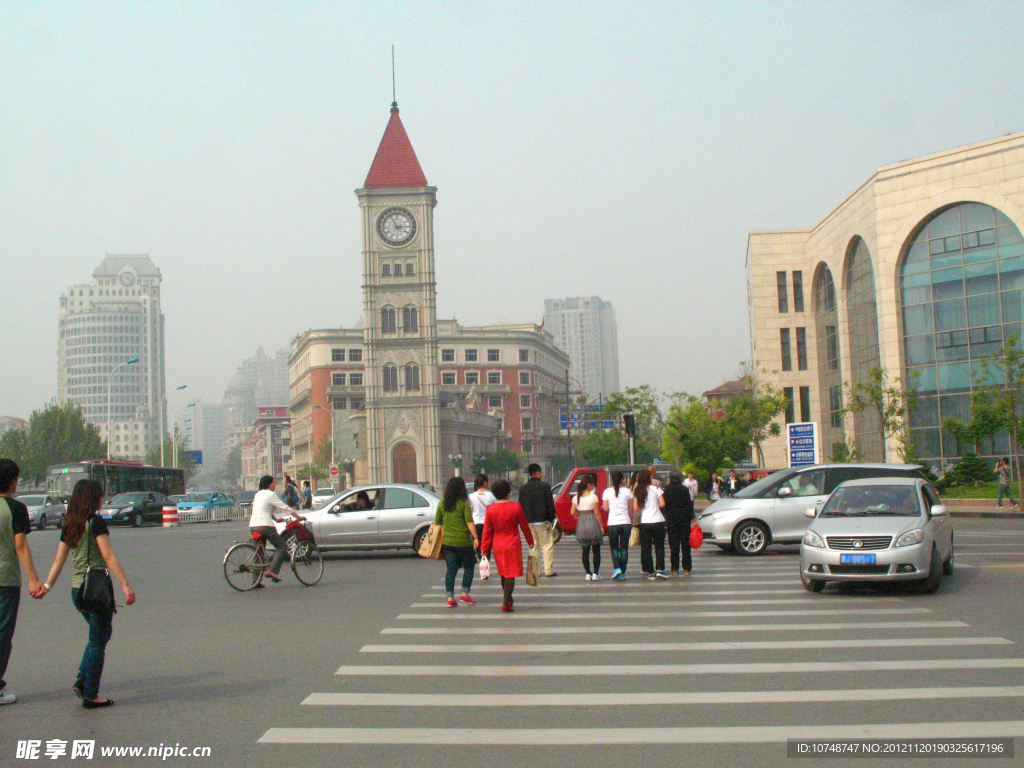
[771,510]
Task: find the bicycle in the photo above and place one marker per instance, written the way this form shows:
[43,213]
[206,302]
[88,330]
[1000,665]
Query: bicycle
[246,562]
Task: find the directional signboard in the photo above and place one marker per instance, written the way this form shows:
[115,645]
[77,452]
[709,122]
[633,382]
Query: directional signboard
[804,444]
[195,456]
[584,417]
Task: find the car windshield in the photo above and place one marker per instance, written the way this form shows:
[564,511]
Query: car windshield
[127,498]
[247,496]
[757,489]
[873,500]
[31,501]
[197,497]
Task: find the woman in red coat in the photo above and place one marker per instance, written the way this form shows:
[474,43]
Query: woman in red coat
[501,537]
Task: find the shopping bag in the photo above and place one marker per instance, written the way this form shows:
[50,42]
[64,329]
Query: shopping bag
[634,536]
[485,567]
[431,546]
[531,571]
[696,537]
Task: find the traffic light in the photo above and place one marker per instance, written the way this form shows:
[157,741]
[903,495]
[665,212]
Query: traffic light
[629,422]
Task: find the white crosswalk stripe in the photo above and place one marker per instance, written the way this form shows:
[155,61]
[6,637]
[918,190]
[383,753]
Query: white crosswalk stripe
[734,617]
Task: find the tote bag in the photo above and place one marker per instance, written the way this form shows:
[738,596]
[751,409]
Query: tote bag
[431,546]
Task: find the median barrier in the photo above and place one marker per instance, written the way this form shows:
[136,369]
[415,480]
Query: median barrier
[170,517]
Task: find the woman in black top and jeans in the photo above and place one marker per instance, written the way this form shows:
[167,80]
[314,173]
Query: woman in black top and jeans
[678,516]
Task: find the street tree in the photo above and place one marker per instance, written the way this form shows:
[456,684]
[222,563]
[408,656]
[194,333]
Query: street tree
[986,420]
[645,405]
[692,436]
[231,473]
[999,377]
[754,412]
[888,400]
[496,463]
[174,455]
[57,434]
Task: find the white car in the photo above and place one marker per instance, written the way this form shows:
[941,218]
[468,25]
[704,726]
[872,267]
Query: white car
[323,495]
[43,510]
[883,529]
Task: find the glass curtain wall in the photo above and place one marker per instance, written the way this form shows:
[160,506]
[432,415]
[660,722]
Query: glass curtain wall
[830,379]
[862,320]
[962,286]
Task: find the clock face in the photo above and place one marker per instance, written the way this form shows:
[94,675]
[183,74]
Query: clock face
[126,278]
[396,226]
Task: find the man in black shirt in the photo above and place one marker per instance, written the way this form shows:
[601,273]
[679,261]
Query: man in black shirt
[678,516]
[14,555]
[539,506]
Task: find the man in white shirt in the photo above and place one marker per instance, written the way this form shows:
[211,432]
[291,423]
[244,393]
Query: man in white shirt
[691,483]
[480,499]
[262,521]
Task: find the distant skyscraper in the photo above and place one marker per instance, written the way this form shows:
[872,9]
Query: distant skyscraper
[101,325]
[259,381]
[208,435]
[585,329]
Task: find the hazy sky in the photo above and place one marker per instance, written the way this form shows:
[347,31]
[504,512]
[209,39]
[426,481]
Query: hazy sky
[622,150]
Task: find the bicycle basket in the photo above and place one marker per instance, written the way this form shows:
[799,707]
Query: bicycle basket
[298,529]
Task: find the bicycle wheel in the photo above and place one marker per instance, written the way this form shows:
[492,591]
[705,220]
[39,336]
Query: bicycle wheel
[307,564]
[244,566]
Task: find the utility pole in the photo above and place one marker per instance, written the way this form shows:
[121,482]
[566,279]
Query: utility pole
[568,410]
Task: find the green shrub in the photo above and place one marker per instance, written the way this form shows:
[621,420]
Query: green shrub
[970,470]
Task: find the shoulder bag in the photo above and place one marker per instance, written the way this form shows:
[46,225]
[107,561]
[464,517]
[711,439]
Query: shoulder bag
[97,592]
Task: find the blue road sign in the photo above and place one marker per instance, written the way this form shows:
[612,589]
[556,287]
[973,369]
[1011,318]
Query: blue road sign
[195,456]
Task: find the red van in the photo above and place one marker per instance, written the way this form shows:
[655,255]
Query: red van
[602,475]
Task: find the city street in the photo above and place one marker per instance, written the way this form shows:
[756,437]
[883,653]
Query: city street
[370,669]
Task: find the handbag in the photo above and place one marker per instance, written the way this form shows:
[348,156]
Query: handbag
[485,567]
[696,537]
[96,594]
[634,536]
[588,529]
[431,546]
[531,571]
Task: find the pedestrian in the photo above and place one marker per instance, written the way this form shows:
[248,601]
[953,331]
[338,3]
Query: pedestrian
[589,530]
[262,520]
[1003,470]
[539,507]
[653,469]
[291,493]
[15,556]
[480,499]
[714,487]
[86,538]
[732,483]
[678,516]
[505,519]
[647,504]
[691,485]
[459,540]
[307,495]
[615,503]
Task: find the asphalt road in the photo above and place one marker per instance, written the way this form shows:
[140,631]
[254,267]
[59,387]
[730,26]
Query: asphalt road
[717,669]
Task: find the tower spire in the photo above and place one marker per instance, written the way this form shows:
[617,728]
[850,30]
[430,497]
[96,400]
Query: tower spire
[394,92]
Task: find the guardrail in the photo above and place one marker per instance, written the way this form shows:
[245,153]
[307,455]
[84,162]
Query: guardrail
[215,515]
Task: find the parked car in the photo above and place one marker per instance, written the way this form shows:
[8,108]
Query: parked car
[136,508]
[390,516]
[203,500]
[244,501]
[323,495]
[892,529]
[44,510]
[771,510]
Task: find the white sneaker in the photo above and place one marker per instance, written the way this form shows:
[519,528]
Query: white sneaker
[588,577]
[597,577]
[7,698]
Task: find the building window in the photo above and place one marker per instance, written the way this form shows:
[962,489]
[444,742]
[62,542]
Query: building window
[409,320]
[798,291]
[447,355]
[524,378]
[387,320]
[494,401]
[412,377]
[409,269]
[787,392]
[355,355]
[390,378]
[448,378]
[783,293]
[339,403]
[801,349]
[805,404]
[493,355]
[385,270]
[471,356]
[337,355]
[527,447]
[787,359]
[358,404]
[494,377]
[526,401]
[472,377]
[835,407]
[862,325]
[826,319]
[524,355]
[337,379]
[355,379]
[527,423]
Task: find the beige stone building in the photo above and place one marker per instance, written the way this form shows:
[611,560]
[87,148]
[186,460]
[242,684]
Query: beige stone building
[919,272]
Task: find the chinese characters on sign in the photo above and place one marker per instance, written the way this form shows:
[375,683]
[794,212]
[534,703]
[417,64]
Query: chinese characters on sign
[804,444]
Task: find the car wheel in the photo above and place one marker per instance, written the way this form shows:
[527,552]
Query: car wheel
[930,584]
[812,585]
[947,566]
[750,538]
[137,520]
[417,540]
[42,522]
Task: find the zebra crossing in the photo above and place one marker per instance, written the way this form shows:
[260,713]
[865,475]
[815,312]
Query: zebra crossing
[737,653]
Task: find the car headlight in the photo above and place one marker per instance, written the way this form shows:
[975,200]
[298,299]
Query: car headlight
[722,513]
[811,539]
[910,538]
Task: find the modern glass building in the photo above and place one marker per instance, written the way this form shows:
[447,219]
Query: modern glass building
[918,273]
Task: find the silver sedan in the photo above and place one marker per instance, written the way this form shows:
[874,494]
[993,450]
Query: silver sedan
[891,529]
[387,516]
[43,510]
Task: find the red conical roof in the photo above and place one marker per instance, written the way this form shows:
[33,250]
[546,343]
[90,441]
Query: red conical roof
[395,164]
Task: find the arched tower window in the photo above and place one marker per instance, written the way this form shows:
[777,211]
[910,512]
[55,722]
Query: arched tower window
[390,378]
[962,286]
[387,320]
[410,322]
[412,377]
[830,379]
[862,321]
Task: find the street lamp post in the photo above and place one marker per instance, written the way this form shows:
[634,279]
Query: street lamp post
[331,412]
[110,380]
[162,399]
[174,446]
[295,463]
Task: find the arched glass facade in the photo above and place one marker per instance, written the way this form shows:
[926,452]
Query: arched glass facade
[962,286]
[862,321]
[830,379]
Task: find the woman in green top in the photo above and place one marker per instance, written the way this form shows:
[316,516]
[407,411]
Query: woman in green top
[459,541]
[86,539]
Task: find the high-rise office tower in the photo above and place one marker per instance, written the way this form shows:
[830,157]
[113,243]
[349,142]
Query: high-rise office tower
[585,329]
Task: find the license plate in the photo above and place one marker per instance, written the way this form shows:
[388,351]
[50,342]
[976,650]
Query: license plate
[107,517]
[857,559]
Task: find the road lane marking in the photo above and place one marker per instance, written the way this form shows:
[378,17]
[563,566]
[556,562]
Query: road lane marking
[608,584]
[651,698]
[481,616]
[588,737]
[902,642]
[736,668]
[541,604]
[831,626]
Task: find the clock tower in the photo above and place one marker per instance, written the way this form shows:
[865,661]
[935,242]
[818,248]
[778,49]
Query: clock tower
[403,416]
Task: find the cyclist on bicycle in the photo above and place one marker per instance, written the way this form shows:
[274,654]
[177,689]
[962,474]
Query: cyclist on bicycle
[263,519]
